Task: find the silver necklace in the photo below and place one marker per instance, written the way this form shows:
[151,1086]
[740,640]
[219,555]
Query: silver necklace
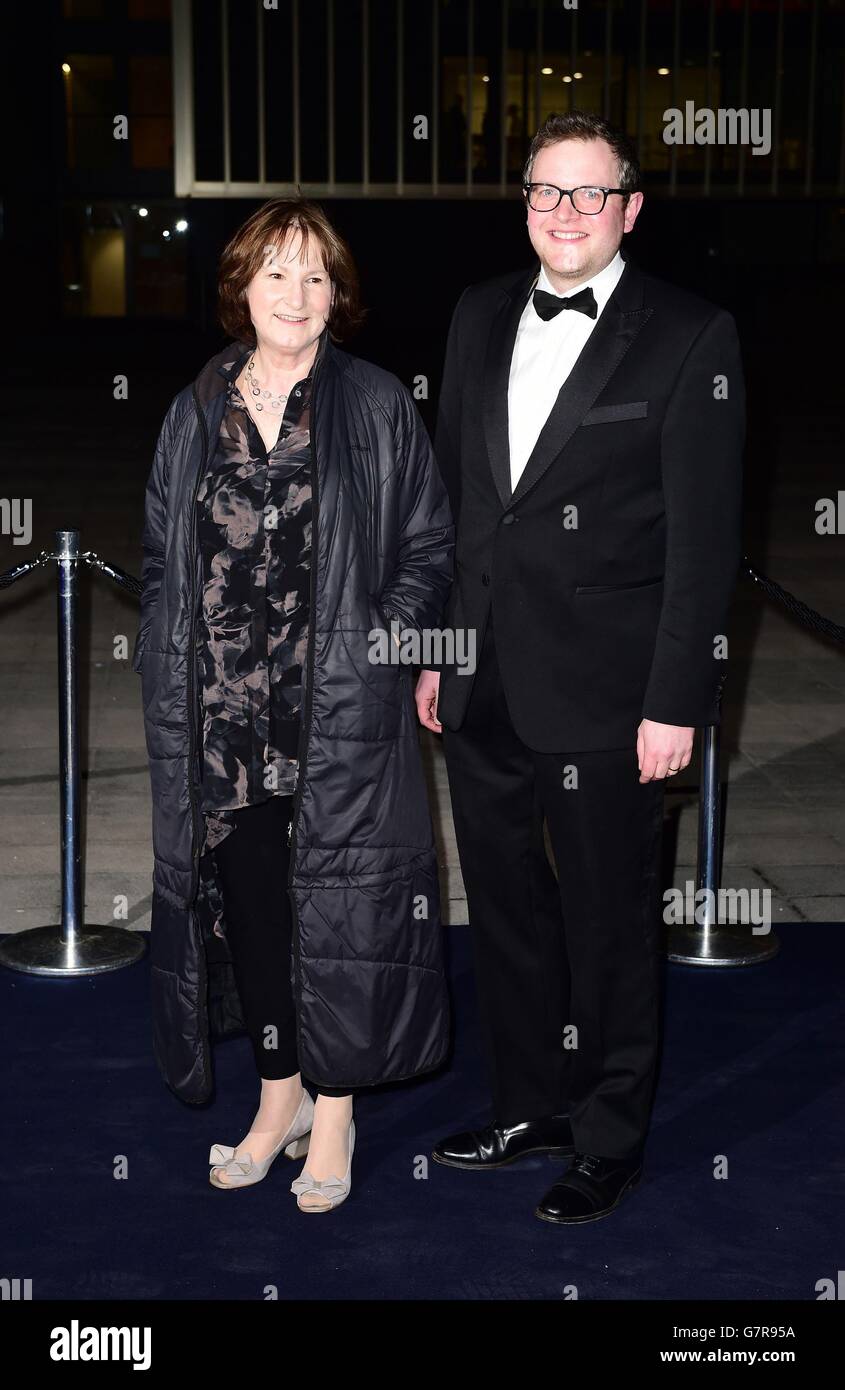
[276,402]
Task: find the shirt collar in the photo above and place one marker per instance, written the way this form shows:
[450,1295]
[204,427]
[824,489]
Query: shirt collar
[231,369]
[603,284]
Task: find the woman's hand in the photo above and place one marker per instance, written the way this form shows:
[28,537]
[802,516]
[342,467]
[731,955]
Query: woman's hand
[428,688]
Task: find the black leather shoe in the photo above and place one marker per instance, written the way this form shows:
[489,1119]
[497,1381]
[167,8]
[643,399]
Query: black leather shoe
[498,1145]
[590,1188]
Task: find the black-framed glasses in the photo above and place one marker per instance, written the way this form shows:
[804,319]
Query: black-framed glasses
[544,197]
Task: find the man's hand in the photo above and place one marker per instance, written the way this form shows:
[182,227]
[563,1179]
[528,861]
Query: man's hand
[428,688]
[662,749]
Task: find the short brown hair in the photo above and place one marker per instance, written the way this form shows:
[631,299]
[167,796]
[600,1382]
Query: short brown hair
[583,125]
[268,226]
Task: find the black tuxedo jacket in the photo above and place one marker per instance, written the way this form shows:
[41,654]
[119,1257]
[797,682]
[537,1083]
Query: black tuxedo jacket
[613,619]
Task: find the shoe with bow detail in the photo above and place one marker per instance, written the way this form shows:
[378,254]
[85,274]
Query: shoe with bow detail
[590,1188]
[330,1192]
[244,1171]
[497,1145]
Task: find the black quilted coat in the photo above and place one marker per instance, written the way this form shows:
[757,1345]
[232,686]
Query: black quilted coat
[367,964]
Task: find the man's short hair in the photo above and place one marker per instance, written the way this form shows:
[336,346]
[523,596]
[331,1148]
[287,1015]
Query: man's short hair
[583,125]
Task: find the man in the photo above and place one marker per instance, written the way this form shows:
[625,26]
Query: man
[590,434]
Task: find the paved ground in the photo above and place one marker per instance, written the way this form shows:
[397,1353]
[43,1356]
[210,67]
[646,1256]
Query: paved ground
[83,459]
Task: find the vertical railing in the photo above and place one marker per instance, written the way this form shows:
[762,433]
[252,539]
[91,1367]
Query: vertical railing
[538,60]
[259,87]
[184,149]
[676,75]
[503,107]
[470,65]
[330,105]
[296,131]
[743,89]
[400,96]
[642,70]
[608,58]
[776,101]
[365,95]
[434,132]
[224,92]
[841,181]
[573,55]
[708,87]
[811,99]
[773,30]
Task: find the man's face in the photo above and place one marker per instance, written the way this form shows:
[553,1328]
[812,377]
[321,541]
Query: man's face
[575,246]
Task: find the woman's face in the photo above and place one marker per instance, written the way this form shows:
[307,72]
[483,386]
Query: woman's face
[290,297]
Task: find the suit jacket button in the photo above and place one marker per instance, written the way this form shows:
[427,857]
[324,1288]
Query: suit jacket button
[507,520]
[485,579]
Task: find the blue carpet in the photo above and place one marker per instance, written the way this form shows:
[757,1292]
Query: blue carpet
[752,1069]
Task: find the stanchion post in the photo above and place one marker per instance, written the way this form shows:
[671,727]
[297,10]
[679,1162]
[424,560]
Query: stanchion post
[707,940]
[67,557]
[708,873]
[69,948]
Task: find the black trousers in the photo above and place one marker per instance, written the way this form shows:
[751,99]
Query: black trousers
[252,863]
[567,971]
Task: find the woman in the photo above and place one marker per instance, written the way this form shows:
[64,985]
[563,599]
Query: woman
[293,509]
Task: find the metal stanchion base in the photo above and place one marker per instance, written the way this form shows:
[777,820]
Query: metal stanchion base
[723,945]
[41,951]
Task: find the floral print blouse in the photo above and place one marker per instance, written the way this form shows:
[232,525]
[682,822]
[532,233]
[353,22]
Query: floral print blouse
[255,534]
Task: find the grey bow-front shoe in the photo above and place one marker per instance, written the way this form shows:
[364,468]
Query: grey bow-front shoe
[325,1193]
[244,1170]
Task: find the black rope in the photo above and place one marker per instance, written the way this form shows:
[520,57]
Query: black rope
[18,571]
[806,615]
[120,576]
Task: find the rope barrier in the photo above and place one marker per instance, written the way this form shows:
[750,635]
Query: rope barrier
[795,606]
[73,949]
[120,576]
[806,615]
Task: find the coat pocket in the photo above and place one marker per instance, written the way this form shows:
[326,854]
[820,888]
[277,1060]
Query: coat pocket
[138,650]
[163,692]
[363,699]
[609,414]
[613,588]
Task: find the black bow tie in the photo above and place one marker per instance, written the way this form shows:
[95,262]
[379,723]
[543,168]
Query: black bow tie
[547,305]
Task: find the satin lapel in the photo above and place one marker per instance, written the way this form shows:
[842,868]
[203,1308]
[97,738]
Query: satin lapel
[497,368]
[618,326]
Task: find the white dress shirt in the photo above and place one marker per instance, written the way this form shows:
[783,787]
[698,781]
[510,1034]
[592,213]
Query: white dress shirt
[544,354]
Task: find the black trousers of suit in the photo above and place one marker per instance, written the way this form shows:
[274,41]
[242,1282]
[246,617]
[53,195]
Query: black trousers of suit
[252,863]
[572,961]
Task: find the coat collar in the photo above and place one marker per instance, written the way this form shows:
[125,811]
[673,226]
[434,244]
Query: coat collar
[617,327]
[225,365]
